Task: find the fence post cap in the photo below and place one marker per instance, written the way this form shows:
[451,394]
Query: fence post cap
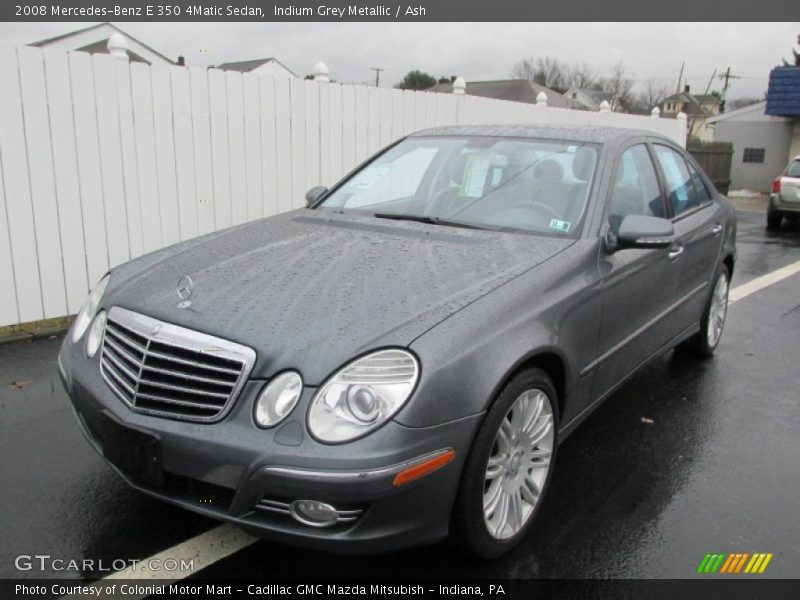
[117,46]
[321,72]
[541,99]
[656,112]
[681,116]
[605,106]
[459,85]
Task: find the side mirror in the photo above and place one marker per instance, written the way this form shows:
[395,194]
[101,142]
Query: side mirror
[314,194]
[639,231]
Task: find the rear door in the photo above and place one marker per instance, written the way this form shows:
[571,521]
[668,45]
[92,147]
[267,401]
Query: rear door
[699,223]
[638,284]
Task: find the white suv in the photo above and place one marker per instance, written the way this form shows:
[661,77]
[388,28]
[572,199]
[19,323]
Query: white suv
[784,201]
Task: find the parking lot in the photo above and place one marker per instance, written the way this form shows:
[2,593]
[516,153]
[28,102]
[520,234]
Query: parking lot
[686,459]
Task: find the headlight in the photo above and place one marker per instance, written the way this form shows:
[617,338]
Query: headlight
[362,396]
[278,399]
[95,336]
[88,310]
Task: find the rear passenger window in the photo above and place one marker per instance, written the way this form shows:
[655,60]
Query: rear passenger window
[636,189]
[681,192]
[699,188]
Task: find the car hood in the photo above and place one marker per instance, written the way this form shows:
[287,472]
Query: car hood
[310,290]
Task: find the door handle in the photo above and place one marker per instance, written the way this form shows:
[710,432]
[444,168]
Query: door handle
[716,228]
[675,252]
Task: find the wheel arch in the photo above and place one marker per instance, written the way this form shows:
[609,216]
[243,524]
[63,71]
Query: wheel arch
[729,262]
[552,362]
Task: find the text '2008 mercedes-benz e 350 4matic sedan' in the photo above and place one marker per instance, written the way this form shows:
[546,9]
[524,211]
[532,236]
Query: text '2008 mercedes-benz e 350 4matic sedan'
[399,360]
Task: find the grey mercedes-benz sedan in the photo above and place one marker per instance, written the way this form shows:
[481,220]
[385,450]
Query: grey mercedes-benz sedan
[399,360]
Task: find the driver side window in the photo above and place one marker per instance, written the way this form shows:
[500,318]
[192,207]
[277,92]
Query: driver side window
[636,190]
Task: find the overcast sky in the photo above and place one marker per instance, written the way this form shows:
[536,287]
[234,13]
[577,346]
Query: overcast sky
[476,51]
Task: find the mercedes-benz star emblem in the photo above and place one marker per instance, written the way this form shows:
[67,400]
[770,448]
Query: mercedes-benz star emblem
[185,290]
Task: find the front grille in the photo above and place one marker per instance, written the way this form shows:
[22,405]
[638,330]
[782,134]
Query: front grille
[161,369]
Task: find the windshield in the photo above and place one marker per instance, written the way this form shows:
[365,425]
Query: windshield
[539,186]
[793,170]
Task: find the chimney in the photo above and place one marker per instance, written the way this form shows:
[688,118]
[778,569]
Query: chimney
[686,89]
[181,61]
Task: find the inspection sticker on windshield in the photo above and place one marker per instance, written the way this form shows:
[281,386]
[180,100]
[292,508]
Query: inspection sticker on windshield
[558,225]
[474,176]
[369,177]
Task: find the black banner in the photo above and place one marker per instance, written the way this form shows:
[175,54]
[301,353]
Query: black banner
[732,588]
[391,10]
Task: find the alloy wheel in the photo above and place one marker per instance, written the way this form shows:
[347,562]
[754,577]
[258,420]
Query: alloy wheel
[717,311]
[518,464]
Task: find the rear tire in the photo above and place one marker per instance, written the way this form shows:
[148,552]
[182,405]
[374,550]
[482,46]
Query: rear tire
[509,467]
[704,342]
[774,221]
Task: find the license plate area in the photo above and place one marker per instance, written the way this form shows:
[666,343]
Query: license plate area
[134,452]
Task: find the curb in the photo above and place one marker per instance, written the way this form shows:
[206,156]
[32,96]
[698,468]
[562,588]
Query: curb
[29,336]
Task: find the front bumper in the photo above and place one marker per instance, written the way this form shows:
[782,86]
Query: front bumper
[224,469]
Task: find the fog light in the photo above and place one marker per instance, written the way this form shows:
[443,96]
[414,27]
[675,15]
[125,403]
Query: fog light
[95,337]
[313,513]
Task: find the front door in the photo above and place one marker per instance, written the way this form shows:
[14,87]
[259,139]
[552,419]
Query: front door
[638,285]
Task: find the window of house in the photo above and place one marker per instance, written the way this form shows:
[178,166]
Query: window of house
[753,155]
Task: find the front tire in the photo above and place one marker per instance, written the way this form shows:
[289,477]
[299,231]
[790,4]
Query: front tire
[509,467]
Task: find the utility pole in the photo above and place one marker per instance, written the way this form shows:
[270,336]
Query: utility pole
[377,74]
[726,76]
[680,76]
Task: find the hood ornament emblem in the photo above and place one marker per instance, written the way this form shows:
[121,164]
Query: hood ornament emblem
[185,291]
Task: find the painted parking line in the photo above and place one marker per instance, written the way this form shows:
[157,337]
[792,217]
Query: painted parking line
[202,550]
[224,540]
[759,283]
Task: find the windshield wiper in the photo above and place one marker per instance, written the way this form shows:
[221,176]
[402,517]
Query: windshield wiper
[428,220]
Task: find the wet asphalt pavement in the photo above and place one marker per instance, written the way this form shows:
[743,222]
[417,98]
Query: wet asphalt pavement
[688,458]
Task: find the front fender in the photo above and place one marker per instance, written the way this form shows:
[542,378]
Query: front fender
[467,358]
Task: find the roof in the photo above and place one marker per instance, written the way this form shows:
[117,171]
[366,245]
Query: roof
[692,104]
[245,66]
[84,40]
[596,95]
[783,94]
[515,90]
[577,133]
[757,107]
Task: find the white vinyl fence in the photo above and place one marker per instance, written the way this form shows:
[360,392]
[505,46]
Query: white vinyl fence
[102,160]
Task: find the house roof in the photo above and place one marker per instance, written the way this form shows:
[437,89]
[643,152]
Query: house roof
[693,105]
[757,107]
[596,95]
[515,90]
[90,38]
[245,66]
[783,94]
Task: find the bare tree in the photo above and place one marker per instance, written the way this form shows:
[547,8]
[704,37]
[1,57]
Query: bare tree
[620,86]
[582,76]
[654,91]
[525,68]
[547,71]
